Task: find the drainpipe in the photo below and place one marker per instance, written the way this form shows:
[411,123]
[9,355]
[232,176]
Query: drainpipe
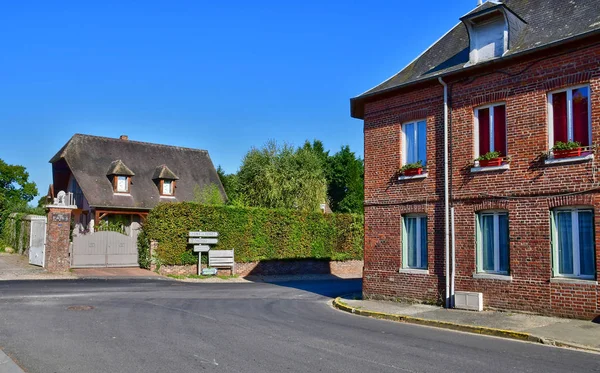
[446,194]
[453,264]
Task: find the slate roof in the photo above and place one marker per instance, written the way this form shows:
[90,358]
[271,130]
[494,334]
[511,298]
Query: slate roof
[548,22]
[89,158]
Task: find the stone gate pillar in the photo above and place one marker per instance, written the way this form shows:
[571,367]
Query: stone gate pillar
[58,231]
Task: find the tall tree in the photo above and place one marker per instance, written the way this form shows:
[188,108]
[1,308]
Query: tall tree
[15,189]
[282,177]
[346,181]
[230,184]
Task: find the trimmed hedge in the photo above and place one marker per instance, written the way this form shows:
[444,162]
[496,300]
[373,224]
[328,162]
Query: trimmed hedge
[255,233]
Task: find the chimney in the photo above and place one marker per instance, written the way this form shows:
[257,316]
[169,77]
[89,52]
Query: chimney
[479,2]
[124,137]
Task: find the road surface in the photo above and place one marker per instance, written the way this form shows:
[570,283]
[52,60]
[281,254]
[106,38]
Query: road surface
[167,326]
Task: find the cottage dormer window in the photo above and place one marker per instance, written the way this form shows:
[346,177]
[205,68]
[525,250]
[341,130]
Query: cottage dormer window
[120,176]
[167,187]
[165,180]
[122,184]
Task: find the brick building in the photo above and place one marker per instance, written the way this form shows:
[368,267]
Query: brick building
[518,78]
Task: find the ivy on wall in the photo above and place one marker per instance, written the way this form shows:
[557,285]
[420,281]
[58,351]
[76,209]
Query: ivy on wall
[255,233]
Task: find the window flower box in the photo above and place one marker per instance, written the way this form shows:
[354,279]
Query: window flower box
[569,153]
[490,162]
[413,171]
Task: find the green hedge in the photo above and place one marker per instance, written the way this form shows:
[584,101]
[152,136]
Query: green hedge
[255,233]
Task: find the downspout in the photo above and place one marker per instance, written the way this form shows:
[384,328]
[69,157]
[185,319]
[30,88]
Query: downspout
[453,263]
[446,194]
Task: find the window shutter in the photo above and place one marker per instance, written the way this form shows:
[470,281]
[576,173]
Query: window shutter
[559,114]
[553,245]
[581,116]
[500,129]
[484,131]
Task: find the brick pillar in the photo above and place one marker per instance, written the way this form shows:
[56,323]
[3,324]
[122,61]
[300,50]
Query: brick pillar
[57,239]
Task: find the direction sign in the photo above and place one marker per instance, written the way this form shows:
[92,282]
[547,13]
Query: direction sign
[203,240]
[204,234]
[201,248]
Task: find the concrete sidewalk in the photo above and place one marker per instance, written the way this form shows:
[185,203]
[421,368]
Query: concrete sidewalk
[17,267]
[550,330]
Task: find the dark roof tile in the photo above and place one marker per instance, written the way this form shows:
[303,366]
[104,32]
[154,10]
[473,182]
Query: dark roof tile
[547,22]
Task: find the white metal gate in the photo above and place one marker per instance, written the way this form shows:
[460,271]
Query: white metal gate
[104,249]
[37,240]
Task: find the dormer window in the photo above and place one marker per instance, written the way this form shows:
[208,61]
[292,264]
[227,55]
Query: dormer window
[490,39]
[120,176]
[167,187]
[122,184]
[165,180]
[493,29]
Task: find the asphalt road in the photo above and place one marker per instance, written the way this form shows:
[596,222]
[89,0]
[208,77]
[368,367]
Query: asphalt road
[167,326]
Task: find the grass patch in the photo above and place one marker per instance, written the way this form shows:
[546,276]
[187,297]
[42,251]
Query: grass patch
[200,277]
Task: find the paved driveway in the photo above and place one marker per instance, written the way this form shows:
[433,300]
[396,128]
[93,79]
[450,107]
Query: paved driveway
[166,326]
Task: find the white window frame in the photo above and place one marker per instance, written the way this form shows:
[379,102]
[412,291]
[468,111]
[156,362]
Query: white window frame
[126,184]
[575,248]
[420,219]
[170,183]
[550,113]
[492,138]
[496,228]
[416,134]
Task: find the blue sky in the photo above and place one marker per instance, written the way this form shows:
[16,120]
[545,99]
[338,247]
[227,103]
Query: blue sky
[221,76]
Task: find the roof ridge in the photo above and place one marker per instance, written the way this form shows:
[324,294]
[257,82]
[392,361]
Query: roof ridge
[139,142]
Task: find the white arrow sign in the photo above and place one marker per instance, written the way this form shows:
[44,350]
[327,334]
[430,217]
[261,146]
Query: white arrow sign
[204,234]
[203,240]
[201,248]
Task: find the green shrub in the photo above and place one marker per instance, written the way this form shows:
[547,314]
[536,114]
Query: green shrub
[143,244]
[559,145]
[412,166]
[255,233]
[489,156]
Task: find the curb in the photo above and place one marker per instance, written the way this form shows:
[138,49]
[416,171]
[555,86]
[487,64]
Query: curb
[482,330]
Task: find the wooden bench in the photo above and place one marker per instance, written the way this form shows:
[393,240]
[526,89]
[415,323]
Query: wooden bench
[221,259]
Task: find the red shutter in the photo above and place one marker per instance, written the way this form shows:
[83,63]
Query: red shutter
[500,129]
[484,131]
[559,110]
[581,116]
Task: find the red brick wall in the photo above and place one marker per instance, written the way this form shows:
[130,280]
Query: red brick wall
[57,240]
[529,184]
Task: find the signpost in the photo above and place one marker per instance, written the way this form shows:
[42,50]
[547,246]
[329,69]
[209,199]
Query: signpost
[203,241]
[201,246]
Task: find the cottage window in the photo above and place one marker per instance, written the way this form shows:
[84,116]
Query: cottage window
[490,129]
[573,243]
[414,242]
[167,187]
[415,140]
[569,116]
[492,242]
[121,184]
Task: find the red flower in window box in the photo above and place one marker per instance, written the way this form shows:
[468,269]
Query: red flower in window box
[567,150]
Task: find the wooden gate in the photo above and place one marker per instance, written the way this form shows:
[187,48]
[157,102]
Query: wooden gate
[104,249]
